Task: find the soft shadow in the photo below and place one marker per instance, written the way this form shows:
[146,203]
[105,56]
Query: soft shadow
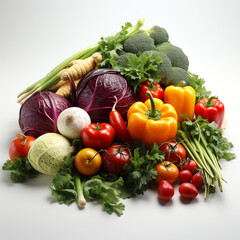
[167,203]
[188,201]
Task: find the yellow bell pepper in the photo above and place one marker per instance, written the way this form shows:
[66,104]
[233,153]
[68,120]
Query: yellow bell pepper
[183,100]
[152,121]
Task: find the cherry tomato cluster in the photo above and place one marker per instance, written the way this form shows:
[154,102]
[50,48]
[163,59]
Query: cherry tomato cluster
[100,149]
[175,167]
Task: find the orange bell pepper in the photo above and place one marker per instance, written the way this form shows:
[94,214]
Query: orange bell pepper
[183,100]
[152,121]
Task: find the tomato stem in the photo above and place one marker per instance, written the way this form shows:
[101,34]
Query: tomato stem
[23,137]
[98,127]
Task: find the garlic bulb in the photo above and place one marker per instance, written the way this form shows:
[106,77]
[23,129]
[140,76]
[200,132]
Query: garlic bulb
[71,121]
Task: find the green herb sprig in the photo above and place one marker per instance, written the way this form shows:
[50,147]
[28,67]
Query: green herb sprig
[21,170]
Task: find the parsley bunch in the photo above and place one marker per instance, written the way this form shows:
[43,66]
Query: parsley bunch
[140,68]
[21,170]
[197,84]
[141,171]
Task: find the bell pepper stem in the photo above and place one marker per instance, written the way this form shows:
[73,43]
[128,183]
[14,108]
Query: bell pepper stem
[209,102]
[152,113]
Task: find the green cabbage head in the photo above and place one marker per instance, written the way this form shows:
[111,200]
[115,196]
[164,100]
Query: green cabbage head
[47,153]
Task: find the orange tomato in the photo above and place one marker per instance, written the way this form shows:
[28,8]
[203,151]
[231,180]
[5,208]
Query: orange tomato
[166,171]
[88,161]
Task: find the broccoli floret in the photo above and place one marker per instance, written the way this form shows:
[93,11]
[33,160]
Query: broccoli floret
[139,42]
[158,34]
[165,67]
[177,75]
[122,58]
[175,54]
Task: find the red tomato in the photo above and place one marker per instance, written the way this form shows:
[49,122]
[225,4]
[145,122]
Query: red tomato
[166,171]
[154,88]
[188,190]
[98,135]
[165,190]
[115,157]
[191,165]
[198,180]
[174,152]
[20,146]
[185,176]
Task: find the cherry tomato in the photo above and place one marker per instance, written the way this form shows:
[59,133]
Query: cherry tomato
[191,165]
[88,161]
[185,176]
[167,171]
[20,146]
[115,157]
[174,152]
[165,190]
[98,135]
[154,88]
[188,190]
[198,180]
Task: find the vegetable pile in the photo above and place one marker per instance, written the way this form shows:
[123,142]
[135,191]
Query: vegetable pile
[117,117]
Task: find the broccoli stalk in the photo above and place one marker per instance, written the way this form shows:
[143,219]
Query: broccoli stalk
[53,76]
[81,201]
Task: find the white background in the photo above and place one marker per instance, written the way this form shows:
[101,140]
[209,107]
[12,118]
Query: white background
[35,36]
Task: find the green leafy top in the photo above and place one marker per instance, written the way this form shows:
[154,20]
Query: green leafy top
[110,46]
[21,170]
[141,67]
[141,171]
[213,135]
[109,191]
[198,85]
[63,185]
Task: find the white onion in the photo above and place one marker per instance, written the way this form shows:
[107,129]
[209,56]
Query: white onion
[71,121]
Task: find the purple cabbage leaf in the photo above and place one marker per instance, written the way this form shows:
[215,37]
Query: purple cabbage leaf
[38,115]
[96,94]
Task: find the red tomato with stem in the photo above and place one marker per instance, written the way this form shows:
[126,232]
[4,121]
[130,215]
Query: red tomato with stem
[188,190]
[165,190]
[185,176]
[115,157]
[191,165]
[174,152]
[198,180]
[98,135]
[20,146]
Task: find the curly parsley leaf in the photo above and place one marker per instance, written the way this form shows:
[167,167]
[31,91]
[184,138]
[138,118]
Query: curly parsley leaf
[141,171]
[198,84]
[98,188]
[21,170]
[215,139]
[141,67]
[109,47]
